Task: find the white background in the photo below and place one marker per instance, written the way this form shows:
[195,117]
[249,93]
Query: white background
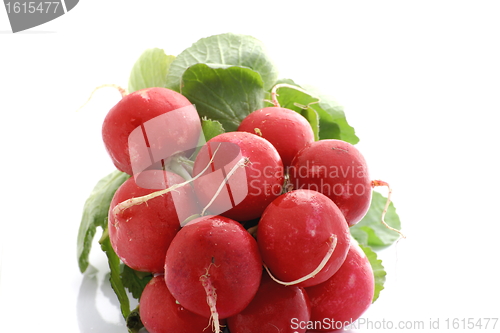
[420,82]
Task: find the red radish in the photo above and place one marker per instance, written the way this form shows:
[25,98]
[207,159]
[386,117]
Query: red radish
[141,234]
[273,309]
[160,313]
[297,232]
[213,267]
[253,170]
[345,296]
[338,170]
[138,113]
[287,130]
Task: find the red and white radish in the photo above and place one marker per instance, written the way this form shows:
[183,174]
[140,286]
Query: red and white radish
[287,130]
[344,297]
[338,170]
[148,126]
[245,175]
[141,234]
[303,238]
[273,309]
[213,267]
[160,313]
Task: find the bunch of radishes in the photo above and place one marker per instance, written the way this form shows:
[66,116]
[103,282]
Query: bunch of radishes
[248,230]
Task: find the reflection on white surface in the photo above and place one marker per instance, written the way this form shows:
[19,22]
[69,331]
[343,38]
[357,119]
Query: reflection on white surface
[97,305]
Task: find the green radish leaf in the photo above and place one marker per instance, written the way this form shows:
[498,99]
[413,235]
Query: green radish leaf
[301,102]
[211,128]
[334,114]
[134,281]
[332,121]
[223,94]
[224,49]
[379,272]
[333,118]
[370,231]
[293,99]
[115,274]
[329,129]
[95,214]
[313,118]
[150,70]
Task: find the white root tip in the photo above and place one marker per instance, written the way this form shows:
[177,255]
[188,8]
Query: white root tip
[333,245]
[211,301]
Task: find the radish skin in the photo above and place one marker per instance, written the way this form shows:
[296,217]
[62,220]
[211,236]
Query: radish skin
[142,234]
[250,188]
[287,130]
[135,110]
[213,262]
[160,313]
[338,170]
[273,309]
[297,232]
[347,294]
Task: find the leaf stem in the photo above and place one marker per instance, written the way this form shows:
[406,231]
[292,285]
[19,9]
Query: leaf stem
[114,278]
[178,167]
[186,163]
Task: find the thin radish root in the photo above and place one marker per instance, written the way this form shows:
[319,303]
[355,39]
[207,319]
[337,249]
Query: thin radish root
[333,245]
[243,162]
[211,300]
[122,91]
[386,207]
[122,206]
